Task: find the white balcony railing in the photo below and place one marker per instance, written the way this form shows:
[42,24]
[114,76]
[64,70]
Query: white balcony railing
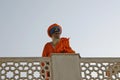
[100,68]
[24,68]
[59,67]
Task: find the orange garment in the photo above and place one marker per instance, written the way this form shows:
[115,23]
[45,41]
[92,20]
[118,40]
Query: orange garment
[61,47]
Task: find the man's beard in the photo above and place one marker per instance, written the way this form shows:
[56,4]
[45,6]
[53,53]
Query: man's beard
[57,37]
[56,40]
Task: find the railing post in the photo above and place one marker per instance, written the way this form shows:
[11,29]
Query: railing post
[65,67]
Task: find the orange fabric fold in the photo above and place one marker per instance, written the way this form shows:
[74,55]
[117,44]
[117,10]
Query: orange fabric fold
[62,47]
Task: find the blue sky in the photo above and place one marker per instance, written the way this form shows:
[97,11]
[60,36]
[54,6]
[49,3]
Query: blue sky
[92,25]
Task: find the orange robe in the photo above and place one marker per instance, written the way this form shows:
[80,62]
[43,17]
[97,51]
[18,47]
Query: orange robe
[61,47]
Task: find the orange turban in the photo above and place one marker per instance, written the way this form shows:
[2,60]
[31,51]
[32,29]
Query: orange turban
[54,28]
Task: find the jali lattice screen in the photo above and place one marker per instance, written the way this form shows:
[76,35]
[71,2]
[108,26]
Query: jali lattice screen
[100,68]
[27,68]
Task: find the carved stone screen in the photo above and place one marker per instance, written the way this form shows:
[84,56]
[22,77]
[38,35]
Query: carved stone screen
[100,68]
[25,68]
[59,67]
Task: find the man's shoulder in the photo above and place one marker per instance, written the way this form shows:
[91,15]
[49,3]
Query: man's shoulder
[48,43]
[64,39]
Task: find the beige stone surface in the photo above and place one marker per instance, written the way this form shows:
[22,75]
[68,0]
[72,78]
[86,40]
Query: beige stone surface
[65,67]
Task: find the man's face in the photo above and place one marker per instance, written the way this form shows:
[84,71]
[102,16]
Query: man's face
[56,35]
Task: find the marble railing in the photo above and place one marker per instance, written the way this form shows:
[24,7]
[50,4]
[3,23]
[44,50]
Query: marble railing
[59,67]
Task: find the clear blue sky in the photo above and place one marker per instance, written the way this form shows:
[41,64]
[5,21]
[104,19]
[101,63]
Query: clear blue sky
[92,25]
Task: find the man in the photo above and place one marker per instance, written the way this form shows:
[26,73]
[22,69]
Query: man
[57,45]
